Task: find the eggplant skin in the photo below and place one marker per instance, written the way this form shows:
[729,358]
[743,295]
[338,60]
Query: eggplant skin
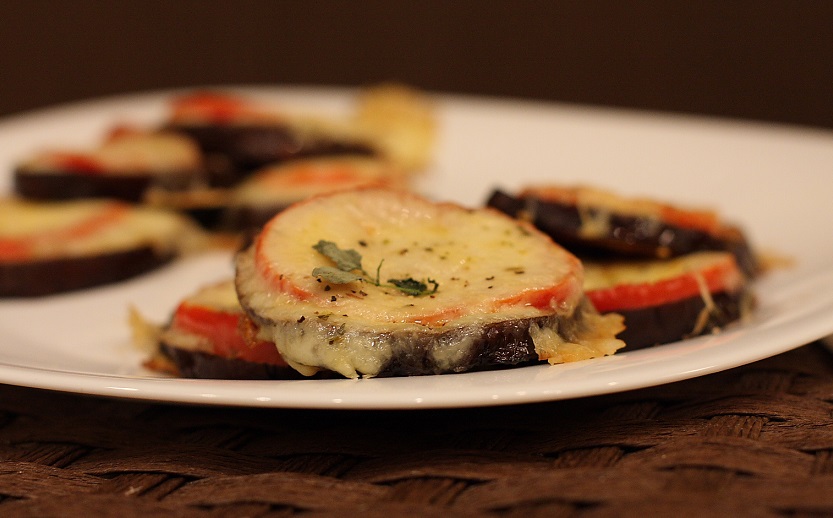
[666,323]
[51,276]
[501,346]
[248,218]
[63,185]
[201,365]
[68,185]
[498,345]
[626,235]
[249,147]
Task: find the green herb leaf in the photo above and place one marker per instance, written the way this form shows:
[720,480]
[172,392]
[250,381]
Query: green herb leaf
[346,260]
[335,276]
[348,268]
[414,287]
[409,285]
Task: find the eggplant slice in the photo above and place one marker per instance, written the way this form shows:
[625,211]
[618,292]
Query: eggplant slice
[62,185]
[671,300]
[208,336]
[245,148]
[48,248]
[197,364]
[123,167]
[59,275]
[675,321]
[613,230]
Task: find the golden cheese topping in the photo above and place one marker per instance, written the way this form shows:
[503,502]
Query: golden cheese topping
[128,153]
[220,296]
[603,275]
[483,261]
[31,230]
[401,121]
[287,183]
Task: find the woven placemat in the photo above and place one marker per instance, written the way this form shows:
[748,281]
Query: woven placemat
[756,440]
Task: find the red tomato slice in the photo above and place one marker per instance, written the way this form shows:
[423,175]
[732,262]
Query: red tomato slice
[75,162]
[314,175]
[698,219]
[722,276]
[704,220]
[24,247]
[122,130]
[210,106]
[15,249]
[225,331]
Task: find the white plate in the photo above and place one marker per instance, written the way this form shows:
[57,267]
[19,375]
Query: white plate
[776,181]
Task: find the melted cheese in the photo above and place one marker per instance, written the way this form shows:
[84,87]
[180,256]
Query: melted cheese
[81,228]
[481,260]
[287,183]
[596,340]
[132,153]
[400,121]
[606,275]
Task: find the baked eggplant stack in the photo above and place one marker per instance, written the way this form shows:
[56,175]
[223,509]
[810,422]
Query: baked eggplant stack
[48,248]
[209,336]
[672,272]
[210,142]
[666,301]
[240,135]
[381,282]
[593,221]
[125,166]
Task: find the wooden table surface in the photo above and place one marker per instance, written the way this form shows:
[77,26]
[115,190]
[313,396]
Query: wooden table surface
[756,440]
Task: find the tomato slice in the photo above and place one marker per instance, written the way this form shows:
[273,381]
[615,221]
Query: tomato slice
[717,276]
[211,107]
[75,162]
[120,131]
[226,332]
[15,249]
[686,217]
[25,247]
[310,174]
[704,220]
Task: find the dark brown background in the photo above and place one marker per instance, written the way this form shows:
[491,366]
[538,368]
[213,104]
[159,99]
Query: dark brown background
[758,59]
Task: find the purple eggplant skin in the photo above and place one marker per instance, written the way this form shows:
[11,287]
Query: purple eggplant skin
[250,147]
[201,365]
[627,235]
[209,217]
[68,185]
[671,322]
[38,278]
[249,218]
[502,345]
[63,185]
